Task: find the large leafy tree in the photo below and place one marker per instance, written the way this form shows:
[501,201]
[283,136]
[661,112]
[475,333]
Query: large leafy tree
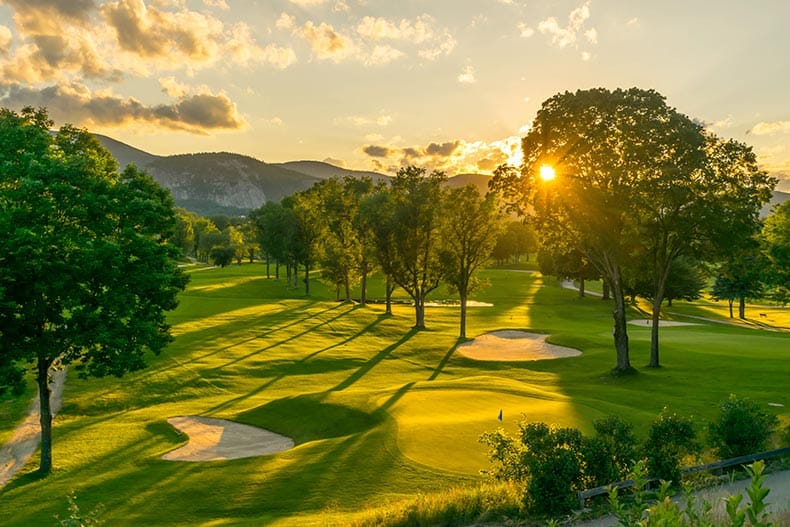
[406,219]
[775,238]
[87,270]
[610,150]
[470,229]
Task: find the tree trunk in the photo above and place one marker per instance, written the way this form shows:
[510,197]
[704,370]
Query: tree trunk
[388,295]
[42,379]
[268,267]
[307,278]
[742,307]
[462,332]
[581,287]
[654,362]
[730,301]
[287,275]
[419,313]
[620,331]
[669,302]
[363,293]
[277,270]
[347,286]
[605,295]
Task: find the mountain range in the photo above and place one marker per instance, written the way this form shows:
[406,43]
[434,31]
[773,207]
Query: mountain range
[233,184]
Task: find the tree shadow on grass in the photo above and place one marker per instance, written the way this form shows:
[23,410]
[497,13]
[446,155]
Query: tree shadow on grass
[370,364]
[446,358]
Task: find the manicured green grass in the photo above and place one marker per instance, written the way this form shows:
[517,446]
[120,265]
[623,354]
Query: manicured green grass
[378,411]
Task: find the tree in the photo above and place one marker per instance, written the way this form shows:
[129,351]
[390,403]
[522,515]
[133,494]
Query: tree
[740,276]
[470,230]
[566,263]
[775,238]
[514,241]
[609,150]
[407,224]
[310,229]
[87,270]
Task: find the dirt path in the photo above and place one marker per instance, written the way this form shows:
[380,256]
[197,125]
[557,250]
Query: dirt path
[18,451]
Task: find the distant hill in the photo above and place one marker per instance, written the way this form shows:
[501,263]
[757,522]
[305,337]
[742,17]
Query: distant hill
[778,198]
[124,153]
[324,170]
[224,183]
[478,180]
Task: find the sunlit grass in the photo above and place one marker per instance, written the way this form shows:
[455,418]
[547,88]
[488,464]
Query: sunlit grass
[379,413]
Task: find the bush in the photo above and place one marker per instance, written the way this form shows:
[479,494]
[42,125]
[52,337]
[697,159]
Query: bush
[742,428]
[548,460]
[671,437]
[609,455]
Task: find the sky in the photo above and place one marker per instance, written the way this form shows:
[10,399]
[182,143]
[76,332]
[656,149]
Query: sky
[379,84]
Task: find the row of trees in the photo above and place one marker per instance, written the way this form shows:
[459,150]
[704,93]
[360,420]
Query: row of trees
[416,232]
[636,181]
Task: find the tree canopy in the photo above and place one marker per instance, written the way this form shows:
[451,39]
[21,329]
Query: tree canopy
[87,272]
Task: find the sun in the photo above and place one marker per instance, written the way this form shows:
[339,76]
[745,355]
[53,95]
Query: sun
[547,172]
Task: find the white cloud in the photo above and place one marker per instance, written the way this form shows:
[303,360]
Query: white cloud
[6,38]
[467,76]
[341,7]
[173,88]
[308,3]
[525,31]
[777,127]
[382,120]
[723,124]
[326,43]
[285,21]
[586,56]
[633,22]
[219,4]
[569,35]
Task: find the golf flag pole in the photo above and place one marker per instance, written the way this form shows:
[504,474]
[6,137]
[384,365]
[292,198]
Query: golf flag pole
[500,414]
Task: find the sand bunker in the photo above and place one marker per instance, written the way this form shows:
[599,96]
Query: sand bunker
[215,439]
[661,323]
[456,303]
[511,345]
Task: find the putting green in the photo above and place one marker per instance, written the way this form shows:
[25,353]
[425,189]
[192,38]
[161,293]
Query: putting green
[441,428]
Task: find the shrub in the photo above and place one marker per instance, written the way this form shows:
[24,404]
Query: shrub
[671,437]
[548,460]
[609,455]
[742,428]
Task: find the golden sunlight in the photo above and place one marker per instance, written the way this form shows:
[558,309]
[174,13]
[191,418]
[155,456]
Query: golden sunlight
[547,172]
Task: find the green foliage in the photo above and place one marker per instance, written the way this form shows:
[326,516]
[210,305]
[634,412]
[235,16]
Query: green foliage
[222,256]
[76,518]
[670,438]
[742,428]
[548,459]
[695,512]
[610,453]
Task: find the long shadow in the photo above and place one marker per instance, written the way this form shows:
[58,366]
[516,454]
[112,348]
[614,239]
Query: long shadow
[297,366]
[283,341]
[446,359]
[370,364]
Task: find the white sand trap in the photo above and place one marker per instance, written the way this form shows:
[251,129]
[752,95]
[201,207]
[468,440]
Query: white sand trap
[661,323]
[456,303]
[215,439]
[512,345]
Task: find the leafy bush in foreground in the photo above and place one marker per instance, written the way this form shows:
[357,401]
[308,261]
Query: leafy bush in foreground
[742,428]
[670,438]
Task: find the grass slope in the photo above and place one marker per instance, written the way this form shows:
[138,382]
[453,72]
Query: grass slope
[378,412]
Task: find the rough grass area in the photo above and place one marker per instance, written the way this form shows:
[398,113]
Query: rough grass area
[380,414]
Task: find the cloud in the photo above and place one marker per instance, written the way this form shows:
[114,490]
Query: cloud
[453,157]
[326,43]
[172,87]
[307,3]
[377,151]
[777,127]
[219,4]
[181,37]
[421,31]
[382,120]
[285,21]
[525,31]
[467,76]
[48,16]
[336,162]
[198,113]
[569,35]
[6,39]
